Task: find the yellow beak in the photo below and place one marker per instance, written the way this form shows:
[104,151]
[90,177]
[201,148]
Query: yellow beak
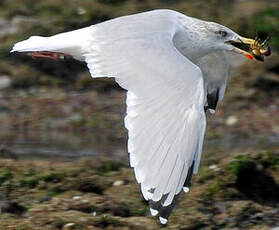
[246,41]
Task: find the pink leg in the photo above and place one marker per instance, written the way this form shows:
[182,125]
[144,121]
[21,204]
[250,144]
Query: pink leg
[50,55]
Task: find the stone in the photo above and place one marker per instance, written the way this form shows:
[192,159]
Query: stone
[231,120]
[118,183]
[5,82]
[68,226]
[214,168]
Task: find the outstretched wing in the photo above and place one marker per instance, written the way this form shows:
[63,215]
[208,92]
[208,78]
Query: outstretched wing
[165,111]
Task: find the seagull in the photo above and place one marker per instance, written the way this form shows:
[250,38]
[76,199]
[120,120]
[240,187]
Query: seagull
[174,68]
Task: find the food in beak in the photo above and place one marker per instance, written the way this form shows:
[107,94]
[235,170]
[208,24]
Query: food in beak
[252,48]
[260,49]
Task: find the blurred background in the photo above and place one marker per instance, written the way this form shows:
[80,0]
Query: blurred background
[63,156]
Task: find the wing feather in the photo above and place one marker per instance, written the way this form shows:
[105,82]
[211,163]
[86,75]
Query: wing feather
[165,107]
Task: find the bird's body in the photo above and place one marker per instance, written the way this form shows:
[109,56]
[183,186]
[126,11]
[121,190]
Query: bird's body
[173,68]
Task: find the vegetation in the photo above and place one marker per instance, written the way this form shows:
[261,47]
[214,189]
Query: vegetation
[52,194]
[266,23]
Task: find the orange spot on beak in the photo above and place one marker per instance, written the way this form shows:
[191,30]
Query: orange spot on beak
[249,56]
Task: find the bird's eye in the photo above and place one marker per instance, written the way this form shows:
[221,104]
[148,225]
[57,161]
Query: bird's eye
[223,33]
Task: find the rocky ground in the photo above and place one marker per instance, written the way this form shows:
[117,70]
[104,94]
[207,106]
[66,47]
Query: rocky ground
[235,193]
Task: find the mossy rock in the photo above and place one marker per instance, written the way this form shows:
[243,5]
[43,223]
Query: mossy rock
[31,182]
[53,177]
[6,175]
[253,177]
[92,184]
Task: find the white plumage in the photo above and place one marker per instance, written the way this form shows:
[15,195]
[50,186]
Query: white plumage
[167,62]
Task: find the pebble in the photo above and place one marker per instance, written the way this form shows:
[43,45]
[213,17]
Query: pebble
[214,167]
[5,82]
[81,11]
[231,120]
[76,198]
[68,226]
[118,183]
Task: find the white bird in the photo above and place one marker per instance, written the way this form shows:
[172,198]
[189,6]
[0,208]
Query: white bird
[174,68]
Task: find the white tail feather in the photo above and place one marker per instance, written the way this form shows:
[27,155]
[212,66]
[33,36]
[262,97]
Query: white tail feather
[68,43]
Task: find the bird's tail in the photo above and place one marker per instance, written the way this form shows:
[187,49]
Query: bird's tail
[70,43]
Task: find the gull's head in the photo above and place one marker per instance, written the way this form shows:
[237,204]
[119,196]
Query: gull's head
[223,38]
